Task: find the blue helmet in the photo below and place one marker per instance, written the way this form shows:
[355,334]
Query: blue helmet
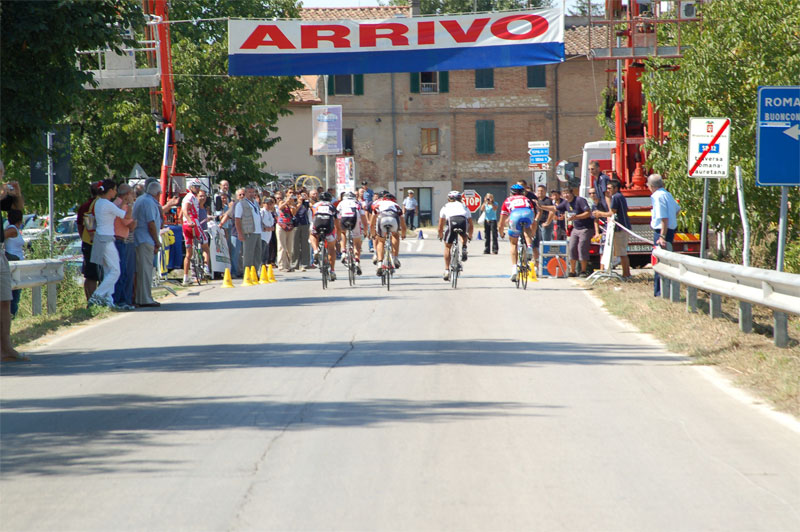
[516,188]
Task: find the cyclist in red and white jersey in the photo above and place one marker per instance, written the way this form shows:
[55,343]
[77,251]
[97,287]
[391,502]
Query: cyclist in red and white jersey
[387,213]
[517,210]
[352,217]
[190,210]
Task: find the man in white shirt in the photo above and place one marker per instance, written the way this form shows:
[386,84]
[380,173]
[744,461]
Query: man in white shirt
[410,209]
[663,219]
[454,215]
[247,217]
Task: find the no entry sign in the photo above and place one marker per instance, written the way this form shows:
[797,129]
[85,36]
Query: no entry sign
[472,200]
[709,144]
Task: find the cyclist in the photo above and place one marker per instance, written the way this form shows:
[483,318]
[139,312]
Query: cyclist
[516,209]
[190,211]
[387,213]
[352,218]
[325,225]
[455,215]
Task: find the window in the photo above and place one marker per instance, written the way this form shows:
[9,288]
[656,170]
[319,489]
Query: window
[430,82]
[484,136]
[346,84]
[430,141]
[484,78]
[347,141]
[537,77]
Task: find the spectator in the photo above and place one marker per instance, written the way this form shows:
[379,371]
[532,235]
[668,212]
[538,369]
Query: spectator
[247,218]
[15,249]
[148,216]
[545,218]
[10,198]
[225,220]
[619,208]
[268,225]
[87,224]
[286,211]
[237,268]
[224,190]
[302,230]
[272,257]
[560,222]
[410,206]
[579,214]
[126,249]
[104,252]
[489,211]
[663,219]
[600,181]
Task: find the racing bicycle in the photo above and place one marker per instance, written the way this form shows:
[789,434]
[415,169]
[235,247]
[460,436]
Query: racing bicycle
[455,257]
[388,263]
[324,265]
[197,261]
[350,258]
[523,266]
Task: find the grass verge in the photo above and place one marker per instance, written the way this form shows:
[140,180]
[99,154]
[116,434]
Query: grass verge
[752,360]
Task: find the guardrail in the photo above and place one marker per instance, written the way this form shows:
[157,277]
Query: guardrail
[778,291]
[34,274]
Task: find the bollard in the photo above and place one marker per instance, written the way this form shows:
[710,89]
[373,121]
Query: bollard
[715,306]
[691,299]
[227,282]
[780,329]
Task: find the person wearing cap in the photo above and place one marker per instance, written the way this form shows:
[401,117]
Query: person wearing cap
[190,212]
[86,228]
[455,215]
[410,206]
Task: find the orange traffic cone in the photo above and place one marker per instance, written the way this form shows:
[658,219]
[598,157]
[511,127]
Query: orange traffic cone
[227,282]
[271,275]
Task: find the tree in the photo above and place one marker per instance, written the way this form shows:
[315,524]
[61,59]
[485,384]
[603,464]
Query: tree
[438,7]
[39,83]
[583,8]
[738,47]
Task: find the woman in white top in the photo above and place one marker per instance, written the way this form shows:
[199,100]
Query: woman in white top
[267,222]
[104,252]
[15,249]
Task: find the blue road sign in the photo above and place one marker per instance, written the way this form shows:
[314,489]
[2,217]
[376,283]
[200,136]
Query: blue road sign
[539,151]
[778,137]
[539,159]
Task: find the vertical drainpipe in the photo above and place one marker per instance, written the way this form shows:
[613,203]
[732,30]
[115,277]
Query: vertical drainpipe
[394,135]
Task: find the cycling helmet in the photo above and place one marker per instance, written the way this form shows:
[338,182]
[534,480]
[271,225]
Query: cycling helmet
[389,196]
[454,195]
[326,196]
[350,195]
[516,188]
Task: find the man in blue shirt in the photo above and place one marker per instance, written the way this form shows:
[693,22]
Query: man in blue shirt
[600,184]
[146,238]
[663,219]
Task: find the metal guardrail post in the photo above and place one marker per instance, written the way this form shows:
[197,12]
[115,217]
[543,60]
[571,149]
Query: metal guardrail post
[715,306]
[52,297]
[745,317]
[675,291]
[36,300]
[665,282]
[780,329]
[691,299]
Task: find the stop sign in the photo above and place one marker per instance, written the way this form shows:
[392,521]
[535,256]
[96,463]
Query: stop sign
[472,200]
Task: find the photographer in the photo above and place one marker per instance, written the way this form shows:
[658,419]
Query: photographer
[10,198]
[286,211]
[301,254]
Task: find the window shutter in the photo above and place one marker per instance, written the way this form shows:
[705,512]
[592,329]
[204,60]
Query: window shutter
[331,86]
[479,137]
[414,76]
[358,84]
[444,81]
[490,136]
[484,78]
[484,136]
[537,76]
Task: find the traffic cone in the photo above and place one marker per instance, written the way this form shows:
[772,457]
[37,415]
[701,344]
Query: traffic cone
[246,277]
[227,282]
[479,236]
[271,275]
[532,275]
[420,237]
[264,278]
[253,276]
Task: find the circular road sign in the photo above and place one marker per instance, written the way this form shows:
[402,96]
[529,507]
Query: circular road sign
[472,200]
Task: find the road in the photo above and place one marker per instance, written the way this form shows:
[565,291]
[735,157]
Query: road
[283,407]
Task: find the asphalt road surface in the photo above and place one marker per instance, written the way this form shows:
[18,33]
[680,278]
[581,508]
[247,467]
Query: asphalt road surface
[283,407]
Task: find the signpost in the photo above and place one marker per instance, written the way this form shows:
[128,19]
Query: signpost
[472,200]
[778,148]
[709,149]
[539,155]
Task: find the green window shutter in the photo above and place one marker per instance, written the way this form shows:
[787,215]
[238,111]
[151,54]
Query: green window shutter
[484,78]
[537,77]
[490,136]
[331,86]
[358,84]
[484,136]
[444,81]
[414,76]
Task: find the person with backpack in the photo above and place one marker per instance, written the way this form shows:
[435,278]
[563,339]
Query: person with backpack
[86,228]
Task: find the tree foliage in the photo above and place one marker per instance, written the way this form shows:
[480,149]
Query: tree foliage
[738,47]
[439,7]
[226,122]
[584,8]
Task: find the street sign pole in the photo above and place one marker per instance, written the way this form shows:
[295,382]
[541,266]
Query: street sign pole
[50,189]
[704,225]
[782,227]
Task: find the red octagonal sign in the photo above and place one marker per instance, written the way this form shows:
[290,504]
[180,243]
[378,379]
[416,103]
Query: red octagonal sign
[472,200]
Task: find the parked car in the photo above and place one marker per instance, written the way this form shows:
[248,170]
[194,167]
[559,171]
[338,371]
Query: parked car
[33,226]
[67,229]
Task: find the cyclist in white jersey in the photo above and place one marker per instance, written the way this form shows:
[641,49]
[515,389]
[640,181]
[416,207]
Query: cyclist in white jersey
[352,217]
[325,226]
[454,215]
[387,213]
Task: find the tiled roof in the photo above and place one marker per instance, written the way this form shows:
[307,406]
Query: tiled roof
[576,39]
[309,94]
[353,13]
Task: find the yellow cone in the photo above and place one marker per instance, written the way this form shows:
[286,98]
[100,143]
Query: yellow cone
[253,276]
[264,277]
[271,275]
[227,282]
[246,277]
[532,275]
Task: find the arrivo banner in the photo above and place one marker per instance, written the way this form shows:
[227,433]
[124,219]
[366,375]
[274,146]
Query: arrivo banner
[419,44]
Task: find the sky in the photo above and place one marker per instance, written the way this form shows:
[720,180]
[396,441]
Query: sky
[362,3]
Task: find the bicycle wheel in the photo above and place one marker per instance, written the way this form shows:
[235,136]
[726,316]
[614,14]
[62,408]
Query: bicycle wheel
[454,267]
[388,267]
[324,266]
[351,259]
[520,273]
[197,264]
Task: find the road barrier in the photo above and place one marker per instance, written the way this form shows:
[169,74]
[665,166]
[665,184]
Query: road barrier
[34,274]
[778,291]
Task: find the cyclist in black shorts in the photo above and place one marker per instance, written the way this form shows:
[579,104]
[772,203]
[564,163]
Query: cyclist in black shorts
[454,215]
[325,225]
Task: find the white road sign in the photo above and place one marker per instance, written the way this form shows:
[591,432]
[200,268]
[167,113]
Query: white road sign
[709,147]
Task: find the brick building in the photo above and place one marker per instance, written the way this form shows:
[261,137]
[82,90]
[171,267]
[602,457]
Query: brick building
[437,131]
